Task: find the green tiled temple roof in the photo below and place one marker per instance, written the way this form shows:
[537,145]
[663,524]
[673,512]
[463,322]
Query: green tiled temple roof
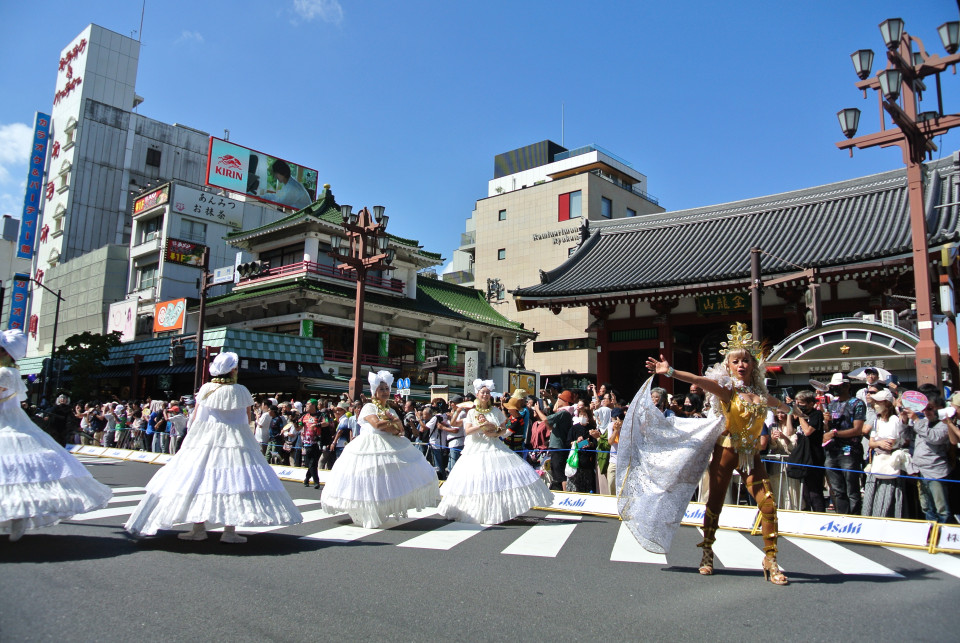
[434,297]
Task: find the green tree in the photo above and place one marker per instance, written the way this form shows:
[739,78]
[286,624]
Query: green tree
[85,354]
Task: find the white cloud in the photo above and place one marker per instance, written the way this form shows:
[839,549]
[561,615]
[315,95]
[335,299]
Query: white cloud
[326,10]
[15,140]
[190,36]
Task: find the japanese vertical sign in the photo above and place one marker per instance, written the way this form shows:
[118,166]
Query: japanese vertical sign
[452,355]
[33,196]
[18,301]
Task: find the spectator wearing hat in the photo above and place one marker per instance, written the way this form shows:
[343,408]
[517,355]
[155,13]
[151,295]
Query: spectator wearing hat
[455,438]
[931,437]
[560,423]
[177,422]
[883,492]
[844,451]
[613,437]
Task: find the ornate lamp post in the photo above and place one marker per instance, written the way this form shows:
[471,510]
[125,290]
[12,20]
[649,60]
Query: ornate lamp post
[914,132]
[367,251]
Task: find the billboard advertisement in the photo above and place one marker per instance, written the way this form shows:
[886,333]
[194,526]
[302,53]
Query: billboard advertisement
[185,253]
[152,200]
[207,206]
[123,318]
[18,301]
[264,177]
[169,315]
[32,197]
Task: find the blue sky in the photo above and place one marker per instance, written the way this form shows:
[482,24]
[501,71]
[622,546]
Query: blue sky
[405,104]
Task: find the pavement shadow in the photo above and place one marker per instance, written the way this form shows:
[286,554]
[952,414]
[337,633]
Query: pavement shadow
[58,548]
[267,544]
[800,578]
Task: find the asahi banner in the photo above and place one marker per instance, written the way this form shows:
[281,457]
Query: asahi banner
[887,531]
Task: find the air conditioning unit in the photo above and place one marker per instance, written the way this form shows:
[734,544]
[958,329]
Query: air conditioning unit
[869,318]
[888,317]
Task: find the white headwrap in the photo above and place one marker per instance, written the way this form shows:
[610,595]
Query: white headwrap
[223,364]
[14,342]
[479,384]
[376,378]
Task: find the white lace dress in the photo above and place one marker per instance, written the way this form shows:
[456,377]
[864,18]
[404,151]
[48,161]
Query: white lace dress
[379,475]
[490,483]
[218,474]
[40,481]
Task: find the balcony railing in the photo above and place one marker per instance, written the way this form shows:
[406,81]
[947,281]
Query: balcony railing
[631,188]
[468,238]
[323,270]
[375,361]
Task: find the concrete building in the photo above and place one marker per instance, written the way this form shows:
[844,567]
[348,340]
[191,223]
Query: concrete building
[536,213]
[10,265]
[100,152]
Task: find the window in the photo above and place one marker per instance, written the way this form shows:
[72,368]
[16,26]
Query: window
[191,230]
[502,216]
[501,254]
[606,208]
[58,215]
[286,256]
[150,229]
[147,277]
[153,157]
[69,131]
[631,212]
[569,206]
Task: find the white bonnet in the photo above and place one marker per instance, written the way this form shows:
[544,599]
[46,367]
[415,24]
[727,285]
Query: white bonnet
[376,378]
[223,364]
[479,384]
[14,342]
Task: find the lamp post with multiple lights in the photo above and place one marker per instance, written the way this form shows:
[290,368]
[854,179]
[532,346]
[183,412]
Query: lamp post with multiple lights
[899,89]
[368,241]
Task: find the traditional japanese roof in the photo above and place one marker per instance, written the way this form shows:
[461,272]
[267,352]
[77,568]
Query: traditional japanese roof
[435,298]
[864,221]
[326,210]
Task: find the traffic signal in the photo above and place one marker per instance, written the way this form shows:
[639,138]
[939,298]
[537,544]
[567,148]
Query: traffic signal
[178,355]
[253,269]
[812,300]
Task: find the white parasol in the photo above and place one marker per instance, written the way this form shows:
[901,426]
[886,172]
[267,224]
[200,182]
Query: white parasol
[859,374]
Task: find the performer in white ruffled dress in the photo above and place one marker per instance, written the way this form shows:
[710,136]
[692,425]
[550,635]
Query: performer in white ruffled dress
[218,474]
[40,482]
[490,483]
[380,473]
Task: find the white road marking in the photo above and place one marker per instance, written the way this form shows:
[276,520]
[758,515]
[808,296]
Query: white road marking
[842,559]
[946,563]
[627,550]
[445,537]
[545,539]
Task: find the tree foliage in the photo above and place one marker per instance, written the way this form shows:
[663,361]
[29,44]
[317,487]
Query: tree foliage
[85,354]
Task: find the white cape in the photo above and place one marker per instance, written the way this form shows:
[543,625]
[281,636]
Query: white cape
[660,461]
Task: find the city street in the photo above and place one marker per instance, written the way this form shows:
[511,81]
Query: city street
[543,576]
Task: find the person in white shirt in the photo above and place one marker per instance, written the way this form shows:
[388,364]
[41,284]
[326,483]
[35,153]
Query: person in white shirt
[291,193]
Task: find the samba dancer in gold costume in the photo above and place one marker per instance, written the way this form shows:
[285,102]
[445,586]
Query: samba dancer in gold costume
[739,394]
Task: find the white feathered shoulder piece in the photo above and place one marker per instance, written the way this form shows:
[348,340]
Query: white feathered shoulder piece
[718,373]
[224,396]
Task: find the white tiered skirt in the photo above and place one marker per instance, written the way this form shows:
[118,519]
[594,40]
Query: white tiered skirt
[378,476]
[490,484]
[40,482]
[218,476]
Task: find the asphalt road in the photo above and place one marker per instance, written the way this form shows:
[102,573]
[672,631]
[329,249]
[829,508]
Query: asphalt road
[544,578]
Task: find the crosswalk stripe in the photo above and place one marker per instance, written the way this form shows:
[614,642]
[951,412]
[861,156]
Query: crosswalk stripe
[350,533]
[735,551]
[446,537]
[945,563]
[129,498]
[627,550]
[544,540]
[303,502]
[109,512]
[117,490]
[842,559]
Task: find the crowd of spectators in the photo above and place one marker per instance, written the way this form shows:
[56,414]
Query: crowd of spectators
[851,452]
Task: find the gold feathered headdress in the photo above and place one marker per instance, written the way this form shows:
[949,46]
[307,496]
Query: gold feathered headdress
[739,338]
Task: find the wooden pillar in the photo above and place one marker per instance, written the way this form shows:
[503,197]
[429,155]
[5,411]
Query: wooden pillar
[665,335]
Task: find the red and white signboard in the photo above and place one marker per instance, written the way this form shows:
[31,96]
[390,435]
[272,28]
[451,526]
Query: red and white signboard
[169,315]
